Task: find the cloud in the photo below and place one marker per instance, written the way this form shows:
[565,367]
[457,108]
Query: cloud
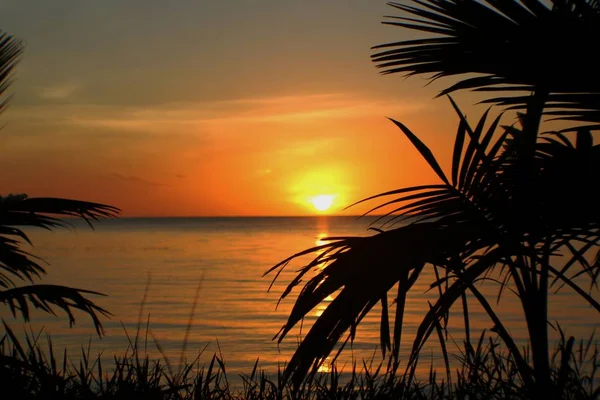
[180,176]
[191,117]
[59,91]
[136,179]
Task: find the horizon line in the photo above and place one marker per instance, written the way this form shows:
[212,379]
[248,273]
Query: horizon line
[241,216]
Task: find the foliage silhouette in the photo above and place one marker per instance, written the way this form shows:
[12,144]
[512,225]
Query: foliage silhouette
[18,211]
[514,197]
[34,370]
[510,46]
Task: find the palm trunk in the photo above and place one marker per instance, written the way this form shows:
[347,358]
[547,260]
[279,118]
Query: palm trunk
[536,315]
[535,301]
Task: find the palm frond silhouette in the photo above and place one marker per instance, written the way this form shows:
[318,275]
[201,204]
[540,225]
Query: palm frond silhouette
[510,46]
[512,199]
[19,269]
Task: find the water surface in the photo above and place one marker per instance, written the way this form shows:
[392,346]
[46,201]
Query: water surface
[226,257]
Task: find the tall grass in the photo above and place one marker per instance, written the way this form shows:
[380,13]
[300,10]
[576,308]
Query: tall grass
[32,368]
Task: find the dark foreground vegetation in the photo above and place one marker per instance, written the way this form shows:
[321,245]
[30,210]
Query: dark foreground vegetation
[33,369]
[518,205]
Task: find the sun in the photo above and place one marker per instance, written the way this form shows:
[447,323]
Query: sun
[322,202]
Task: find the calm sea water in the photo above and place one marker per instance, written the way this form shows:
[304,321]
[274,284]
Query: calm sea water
[227,258]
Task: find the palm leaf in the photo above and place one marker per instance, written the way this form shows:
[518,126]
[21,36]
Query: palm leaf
[423,149]
[509,45]
[17,263]
[10,52]
[363,273]
[468,228]
[24,211]
[21,211]
[45,297]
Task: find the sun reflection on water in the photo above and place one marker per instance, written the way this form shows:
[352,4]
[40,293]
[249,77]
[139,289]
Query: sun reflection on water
[319,241]
[326,366]
[322,306]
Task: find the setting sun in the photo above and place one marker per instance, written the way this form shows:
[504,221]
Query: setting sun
[322,202]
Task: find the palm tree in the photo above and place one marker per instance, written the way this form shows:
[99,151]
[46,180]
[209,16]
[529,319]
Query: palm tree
[513,197]
[18,211]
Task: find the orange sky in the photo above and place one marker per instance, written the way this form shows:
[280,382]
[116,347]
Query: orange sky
[201,109]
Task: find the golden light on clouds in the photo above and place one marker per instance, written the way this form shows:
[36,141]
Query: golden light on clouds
[301,150]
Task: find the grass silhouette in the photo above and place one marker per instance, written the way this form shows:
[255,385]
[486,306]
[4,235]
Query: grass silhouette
[36,371]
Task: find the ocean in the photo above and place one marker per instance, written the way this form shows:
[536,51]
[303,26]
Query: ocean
[222,260]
